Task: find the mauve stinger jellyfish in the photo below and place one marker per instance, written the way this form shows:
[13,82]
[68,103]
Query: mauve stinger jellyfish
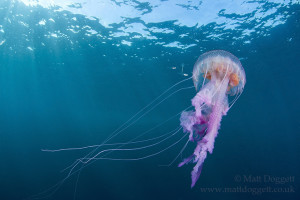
[216,75]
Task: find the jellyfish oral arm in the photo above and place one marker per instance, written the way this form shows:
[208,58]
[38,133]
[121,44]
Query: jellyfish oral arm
[219,109]
[217,103]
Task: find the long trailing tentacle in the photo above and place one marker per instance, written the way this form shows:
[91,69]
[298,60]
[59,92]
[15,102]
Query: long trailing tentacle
[137,119]
[110,144]
[235,99]
[57,186]
[50,191]
[144,157]
[182,149]
[129,122]
[144,133]
[148,105]
[130,149]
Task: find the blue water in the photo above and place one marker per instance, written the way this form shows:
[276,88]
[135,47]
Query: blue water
[71,72]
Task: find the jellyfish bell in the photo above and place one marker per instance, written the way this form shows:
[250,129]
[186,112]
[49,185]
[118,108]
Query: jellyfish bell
[219,64]
[216,75]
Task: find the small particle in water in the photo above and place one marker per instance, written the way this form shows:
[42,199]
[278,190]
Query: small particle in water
[54,35]
[126,42]
[42,22]
[2,42]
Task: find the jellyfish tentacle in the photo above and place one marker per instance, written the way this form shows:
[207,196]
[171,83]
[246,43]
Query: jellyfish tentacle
[182,149]
[148,105]
[86,160]
[204,77]
[132,149]
[50,191]
[238,96]
[129,122]
[143,157]
[150,109]
[77,162]
[108,144]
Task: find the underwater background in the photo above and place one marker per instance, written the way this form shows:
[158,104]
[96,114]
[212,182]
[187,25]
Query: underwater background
[73,71]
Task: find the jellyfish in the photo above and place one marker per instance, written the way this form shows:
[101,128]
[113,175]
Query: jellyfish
[216,75]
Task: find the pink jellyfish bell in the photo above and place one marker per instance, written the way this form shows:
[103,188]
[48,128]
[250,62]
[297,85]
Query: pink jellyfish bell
[216,75]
